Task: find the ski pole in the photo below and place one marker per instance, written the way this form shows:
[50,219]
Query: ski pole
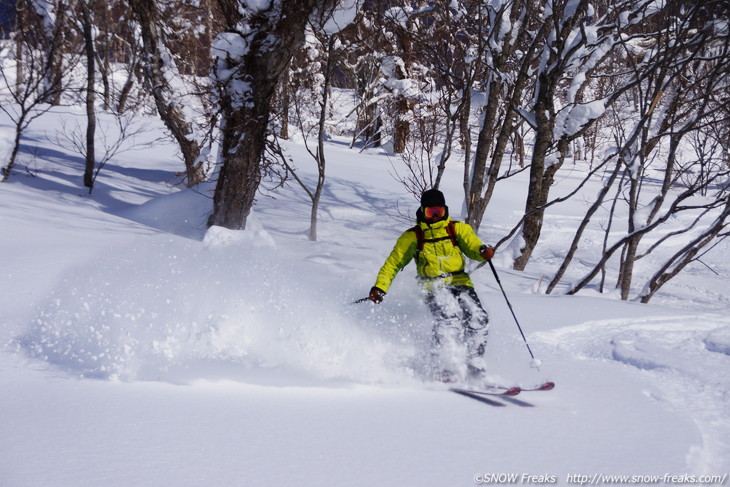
[361,300]
[535,362]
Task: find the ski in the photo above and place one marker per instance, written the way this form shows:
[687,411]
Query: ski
[499,390]
[545,386]
[496,391]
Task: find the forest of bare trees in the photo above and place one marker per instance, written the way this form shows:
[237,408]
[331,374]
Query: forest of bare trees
[635,90]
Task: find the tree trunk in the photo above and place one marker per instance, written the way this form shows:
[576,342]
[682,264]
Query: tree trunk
[477,203]
[170,113]
[540,175]
[90,97]
[402,128]
[285,101]
[627,267]
[272,37]
[465,138]
[126,90]
[584,223]
[499,115]
[16,146]
[685,256]
[19,45]
[103,54]
[55,56]
[328,70]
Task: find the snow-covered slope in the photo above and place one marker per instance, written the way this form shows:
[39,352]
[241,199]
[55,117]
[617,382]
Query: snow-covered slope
[140,349]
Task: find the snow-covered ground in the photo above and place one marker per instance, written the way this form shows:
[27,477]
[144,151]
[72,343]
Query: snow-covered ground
[139,349]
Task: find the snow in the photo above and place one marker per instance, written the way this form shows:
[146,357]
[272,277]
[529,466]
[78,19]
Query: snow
[342,16]
[258,5]
[138,347]
[230,45]
[718,341]
[574,117]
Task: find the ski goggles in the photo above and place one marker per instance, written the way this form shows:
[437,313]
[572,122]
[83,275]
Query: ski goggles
[434,212]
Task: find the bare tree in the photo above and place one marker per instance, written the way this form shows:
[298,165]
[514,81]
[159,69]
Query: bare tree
[697,63]
[509,45]
[448,65]
[116,50]
[26,99]
[87,28]
[54,16]
[573,52]
[398,69]
[309,93]
[683,74]
[251,55]
[390,74]
[363,65]
[426,153]
[689,253]
[114,135]
[160,68]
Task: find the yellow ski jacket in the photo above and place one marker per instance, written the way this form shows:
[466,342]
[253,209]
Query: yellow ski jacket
[440,262]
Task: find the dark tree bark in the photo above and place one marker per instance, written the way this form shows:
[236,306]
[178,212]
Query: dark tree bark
[40,82]
[686,255]
[55,54]
[90,96]
[165,98]
[499,125]
[271,36]
[541,174]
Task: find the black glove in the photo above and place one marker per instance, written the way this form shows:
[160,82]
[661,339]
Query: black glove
[376,295]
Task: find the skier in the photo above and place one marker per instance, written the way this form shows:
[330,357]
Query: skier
[438,244]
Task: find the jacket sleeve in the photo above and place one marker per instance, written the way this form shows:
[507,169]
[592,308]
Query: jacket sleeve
[402,253]
[468,241]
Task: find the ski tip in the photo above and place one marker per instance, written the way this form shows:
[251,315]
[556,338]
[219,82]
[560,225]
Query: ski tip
[547,386]
[512,391]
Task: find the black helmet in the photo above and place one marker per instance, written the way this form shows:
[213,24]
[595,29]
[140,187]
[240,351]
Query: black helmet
[432,197]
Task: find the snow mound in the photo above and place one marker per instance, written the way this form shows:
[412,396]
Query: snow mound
[255,235]
[640,351]
[182,213]
[719,341]
[662,343]
[676,352]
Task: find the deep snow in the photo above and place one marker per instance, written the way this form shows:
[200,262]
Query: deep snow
[139,348]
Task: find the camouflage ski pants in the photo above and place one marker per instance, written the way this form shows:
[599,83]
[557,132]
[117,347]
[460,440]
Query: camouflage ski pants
[460,329]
